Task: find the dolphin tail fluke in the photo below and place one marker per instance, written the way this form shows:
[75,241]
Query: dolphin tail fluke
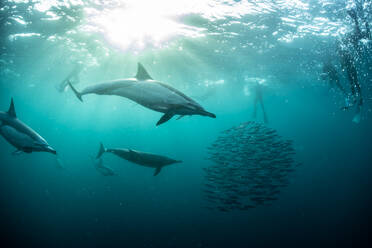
[157,171]
[101,151]
[77,93]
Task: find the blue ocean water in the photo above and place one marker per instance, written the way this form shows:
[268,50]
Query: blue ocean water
[215,52]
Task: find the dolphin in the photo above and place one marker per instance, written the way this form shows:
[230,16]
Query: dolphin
[140,158]
[73,77]
[20,135]
[149,93]
[101,168]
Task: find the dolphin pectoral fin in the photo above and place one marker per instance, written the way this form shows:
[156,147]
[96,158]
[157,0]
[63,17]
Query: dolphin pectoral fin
[166,117]
[17,152]
[157,171]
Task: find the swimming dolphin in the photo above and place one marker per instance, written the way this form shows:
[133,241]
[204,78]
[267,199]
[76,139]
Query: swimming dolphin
[20,135]
[72,78]
[101,168]
[151,94]
[140,158]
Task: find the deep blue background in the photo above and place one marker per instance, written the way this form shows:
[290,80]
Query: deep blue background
[327,203]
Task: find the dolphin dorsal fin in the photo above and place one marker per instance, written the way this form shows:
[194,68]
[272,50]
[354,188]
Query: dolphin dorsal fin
[11,110]
[142,74]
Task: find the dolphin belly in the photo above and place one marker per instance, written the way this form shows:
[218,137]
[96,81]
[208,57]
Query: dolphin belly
[138,158]
[145,160]
[18,139]
[151,95]
[149,159]
[142,158]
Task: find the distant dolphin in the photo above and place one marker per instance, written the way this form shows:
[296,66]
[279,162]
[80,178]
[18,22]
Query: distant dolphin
[73,78]
[20,135]
[140,158]
[101,168]
[149,93]
[259,99]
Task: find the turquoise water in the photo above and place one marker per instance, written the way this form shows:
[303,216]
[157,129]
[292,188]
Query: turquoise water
[215,52]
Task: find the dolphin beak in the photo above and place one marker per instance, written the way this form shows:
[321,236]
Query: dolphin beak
[51,150]
[206,113]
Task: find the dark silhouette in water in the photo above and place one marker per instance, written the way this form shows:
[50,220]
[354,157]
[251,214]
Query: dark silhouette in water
[358,34]
[348,65]
[140,158]
[348,58]
[330,72]
[72,77]
[259,100]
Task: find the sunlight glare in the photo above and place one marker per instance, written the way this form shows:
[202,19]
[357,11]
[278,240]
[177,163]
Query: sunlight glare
[143,23]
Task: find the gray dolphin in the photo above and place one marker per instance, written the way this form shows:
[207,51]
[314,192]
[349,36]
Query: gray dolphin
[20,135]
[73,78]
[140,158]
[151,94]
[101,168]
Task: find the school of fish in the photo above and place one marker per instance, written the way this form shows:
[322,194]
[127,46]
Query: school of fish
[251,164]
